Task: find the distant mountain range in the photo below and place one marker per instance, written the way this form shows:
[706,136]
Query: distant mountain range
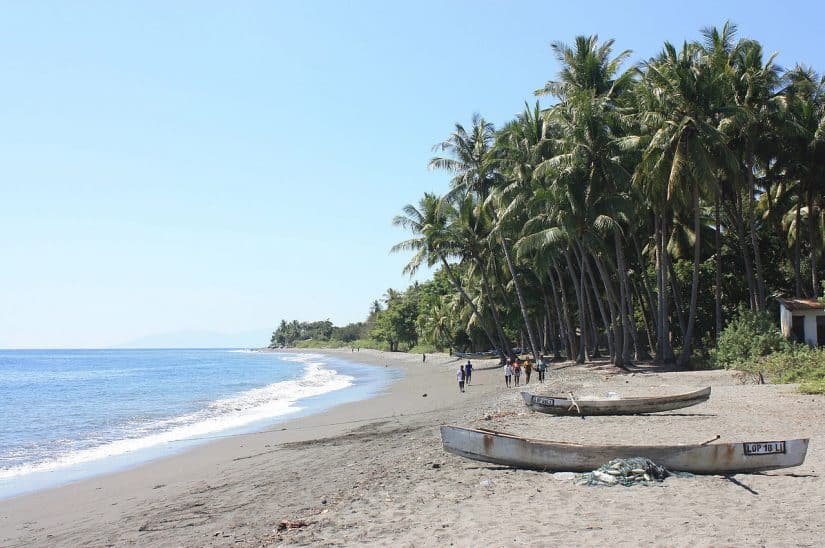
[202,339]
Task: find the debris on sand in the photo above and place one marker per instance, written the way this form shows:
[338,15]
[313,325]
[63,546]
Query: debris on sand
[291,524]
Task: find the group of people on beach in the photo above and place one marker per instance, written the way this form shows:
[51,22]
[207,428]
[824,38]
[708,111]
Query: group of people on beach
[464,375]
[514,368]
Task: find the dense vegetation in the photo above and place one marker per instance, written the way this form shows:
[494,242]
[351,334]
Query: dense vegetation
[632,218]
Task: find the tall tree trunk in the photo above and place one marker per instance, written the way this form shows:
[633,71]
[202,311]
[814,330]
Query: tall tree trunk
[616,358]
[812,240]
[797,262]
[648,295]
[797,256]
[580,302]
[651,346]
[485,286]
[470,302]
[757,256]
[585,325]
[521,301]
[639,353]
[605,321]
[718,274]
[549,332]
[738,224]
[621,269]
[665,354]
[561,312]
[611,347]
[676,291]
[687,347]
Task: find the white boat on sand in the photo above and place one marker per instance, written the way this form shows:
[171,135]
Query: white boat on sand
[701,458]
[570,405]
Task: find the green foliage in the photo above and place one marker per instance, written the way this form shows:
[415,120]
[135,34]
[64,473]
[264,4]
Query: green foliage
[812,387]
[422,349]
[749,336]
[797,363]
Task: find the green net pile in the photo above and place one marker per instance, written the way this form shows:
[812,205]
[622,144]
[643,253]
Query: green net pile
[627,472]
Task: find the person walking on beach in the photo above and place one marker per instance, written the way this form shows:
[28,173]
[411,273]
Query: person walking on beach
[460,376]
[542,367]
[528,368]
[516,371]
[423,358]
[468,372]
[508,373]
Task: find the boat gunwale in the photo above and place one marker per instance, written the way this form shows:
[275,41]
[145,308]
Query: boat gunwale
[686,396]
[603,446]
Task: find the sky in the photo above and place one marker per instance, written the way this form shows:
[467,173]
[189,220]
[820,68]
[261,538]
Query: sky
[176,167]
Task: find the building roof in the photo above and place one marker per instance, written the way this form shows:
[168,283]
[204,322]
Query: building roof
[802,304]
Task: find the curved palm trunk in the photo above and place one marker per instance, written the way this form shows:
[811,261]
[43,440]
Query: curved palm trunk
[522,304]
[676,291]
[687,350]
[757,256]
[561,311]
[611,347]
[647,295]
[580,356]
[617,359]
[470,302]
[643,353]
[664,352]
[485,286]
[746,256]
[812,240]
[623,296]
[718,274]
[797,258]
[593,333]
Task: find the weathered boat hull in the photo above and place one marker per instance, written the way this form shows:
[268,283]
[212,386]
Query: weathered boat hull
[564,405]
[714,458]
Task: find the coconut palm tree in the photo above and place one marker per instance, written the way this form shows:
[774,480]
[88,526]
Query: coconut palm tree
[432,244]
[684,151]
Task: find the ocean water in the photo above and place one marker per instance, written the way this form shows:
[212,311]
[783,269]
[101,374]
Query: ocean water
[70,414]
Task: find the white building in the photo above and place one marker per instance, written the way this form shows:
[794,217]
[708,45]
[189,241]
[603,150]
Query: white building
[803,320]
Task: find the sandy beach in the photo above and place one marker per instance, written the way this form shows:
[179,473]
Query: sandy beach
[374,472]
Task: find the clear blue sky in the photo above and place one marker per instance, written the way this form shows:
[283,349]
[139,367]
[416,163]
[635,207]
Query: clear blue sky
[222,165]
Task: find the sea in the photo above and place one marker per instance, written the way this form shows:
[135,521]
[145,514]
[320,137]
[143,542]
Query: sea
[66,415]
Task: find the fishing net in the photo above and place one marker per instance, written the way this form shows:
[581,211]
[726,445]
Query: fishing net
[627,472]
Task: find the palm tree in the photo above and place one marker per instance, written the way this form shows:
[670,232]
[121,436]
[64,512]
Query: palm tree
[472,165]
[432,244]
[684,150]
[804,96]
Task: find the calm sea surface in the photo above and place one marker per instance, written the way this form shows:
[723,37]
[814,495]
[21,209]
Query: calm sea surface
[69,414]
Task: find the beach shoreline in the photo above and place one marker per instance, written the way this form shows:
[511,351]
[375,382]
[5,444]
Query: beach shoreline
[373,471]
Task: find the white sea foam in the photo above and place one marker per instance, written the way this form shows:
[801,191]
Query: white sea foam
[248,407]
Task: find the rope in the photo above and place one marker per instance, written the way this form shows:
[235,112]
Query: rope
[574,404]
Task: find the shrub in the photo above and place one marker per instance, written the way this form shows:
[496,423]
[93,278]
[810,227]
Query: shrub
[797,363]
[748,337]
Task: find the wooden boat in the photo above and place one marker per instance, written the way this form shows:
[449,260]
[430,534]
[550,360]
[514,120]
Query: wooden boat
[569,405]
[700,458]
